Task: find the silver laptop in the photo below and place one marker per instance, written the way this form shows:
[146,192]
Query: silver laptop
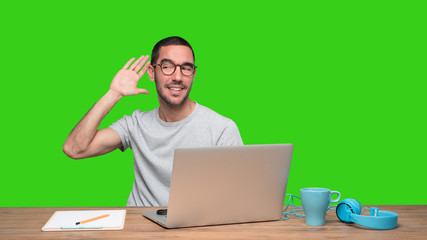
[224,185]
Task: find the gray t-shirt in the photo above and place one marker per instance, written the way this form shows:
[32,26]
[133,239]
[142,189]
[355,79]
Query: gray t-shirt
[153,142]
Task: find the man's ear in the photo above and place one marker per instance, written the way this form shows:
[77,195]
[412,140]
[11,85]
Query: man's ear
[150,71]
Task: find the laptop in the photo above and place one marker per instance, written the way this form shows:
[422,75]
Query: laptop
[225,185]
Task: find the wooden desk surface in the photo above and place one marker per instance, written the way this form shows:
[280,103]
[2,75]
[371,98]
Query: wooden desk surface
[26,223]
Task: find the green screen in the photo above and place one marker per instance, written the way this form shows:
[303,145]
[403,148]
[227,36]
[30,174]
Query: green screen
[345,82]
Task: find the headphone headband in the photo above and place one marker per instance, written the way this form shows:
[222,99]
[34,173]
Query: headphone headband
[349,211]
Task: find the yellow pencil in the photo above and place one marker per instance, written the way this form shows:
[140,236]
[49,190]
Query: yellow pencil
[92,219]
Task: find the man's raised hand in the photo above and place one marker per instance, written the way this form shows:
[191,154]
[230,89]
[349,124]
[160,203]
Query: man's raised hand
[125,81]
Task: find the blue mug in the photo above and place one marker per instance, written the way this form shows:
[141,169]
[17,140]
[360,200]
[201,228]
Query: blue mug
[315,202]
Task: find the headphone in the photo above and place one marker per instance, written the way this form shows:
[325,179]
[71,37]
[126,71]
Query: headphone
[349,210]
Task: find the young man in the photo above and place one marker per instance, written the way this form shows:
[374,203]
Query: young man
[153,135]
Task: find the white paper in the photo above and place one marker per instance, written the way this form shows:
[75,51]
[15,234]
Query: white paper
[69,218]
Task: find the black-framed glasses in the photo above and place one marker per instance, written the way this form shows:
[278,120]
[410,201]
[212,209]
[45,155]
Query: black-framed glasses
[168,68]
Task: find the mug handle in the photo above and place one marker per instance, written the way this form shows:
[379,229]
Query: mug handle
[337,199]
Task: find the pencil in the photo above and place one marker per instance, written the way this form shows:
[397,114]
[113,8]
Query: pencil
[92,219]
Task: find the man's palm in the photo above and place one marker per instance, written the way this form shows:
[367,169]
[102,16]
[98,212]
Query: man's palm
[125,81]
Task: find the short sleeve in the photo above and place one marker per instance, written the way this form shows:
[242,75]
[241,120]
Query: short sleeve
[122,127]
[230,136]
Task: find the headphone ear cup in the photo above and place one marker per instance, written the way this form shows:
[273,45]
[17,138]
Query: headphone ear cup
[346,208]
[357,207]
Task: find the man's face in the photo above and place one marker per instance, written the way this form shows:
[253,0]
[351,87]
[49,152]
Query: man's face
[173,89]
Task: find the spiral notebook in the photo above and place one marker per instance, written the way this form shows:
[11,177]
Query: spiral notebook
[66,220]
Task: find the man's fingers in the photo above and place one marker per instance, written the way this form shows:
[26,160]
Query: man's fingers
[128,63]
[135,64]
[141,63]
[144,69]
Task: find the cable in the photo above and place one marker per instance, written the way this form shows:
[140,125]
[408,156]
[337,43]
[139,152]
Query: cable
[295,208]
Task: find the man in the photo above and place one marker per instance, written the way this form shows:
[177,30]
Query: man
[153,135]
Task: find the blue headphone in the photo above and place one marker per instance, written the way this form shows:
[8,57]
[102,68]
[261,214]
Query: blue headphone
[349,211]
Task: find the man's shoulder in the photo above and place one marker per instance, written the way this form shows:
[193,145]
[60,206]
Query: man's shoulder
[210,115]
[224,129]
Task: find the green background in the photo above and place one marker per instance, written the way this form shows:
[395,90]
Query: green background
[344,81]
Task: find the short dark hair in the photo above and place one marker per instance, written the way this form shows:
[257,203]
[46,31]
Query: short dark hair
[166,42]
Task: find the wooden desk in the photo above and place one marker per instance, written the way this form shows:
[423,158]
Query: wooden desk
[26,223]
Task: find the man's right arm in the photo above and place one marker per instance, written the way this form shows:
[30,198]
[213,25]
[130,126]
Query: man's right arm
[85,140]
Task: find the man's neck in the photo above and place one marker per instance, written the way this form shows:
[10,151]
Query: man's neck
[171,113]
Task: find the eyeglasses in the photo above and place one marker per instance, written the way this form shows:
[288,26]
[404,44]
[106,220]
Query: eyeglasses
[168,68]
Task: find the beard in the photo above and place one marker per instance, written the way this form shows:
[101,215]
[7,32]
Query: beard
[166,99]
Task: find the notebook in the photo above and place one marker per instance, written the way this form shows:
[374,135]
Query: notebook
[66,220]
[224,185]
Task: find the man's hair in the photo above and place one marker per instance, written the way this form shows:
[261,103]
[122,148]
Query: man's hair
[166,42]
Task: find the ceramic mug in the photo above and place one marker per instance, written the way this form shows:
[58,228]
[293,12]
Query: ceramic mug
[315,202]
